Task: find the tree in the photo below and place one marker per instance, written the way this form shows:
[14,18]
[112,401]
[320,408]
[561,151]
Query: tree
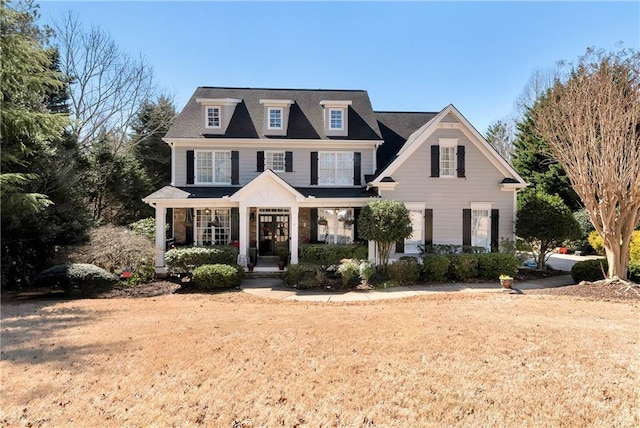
[500,136]
[590,119]
[544,220]
[533,162]
[385,222]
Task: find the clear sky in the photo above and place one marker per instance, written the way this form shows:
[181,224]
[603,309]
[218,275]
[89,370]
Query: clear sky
[409,56]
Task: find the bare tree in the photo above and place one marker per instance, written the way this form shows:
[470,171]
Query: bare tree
[500,136]
[538,84]
[591,121]
[107,86]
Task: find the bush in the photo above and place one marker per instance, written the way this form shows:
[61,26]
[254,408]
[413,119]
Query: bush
[112,248]
[589,270]
[450,249]
[462,267]
[349,269]
[366,270]
[302,275]
[435,267]
[331,254]
[187,258]
[634,272]
[492,265]
[217,276]
[404,271]
[77,279]
[146,227]
[597,243]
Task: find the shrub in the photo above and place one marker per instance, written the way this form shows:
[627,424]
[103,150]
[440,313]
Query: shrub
[349,269]
[462,267]
[366,270]
[77,279]
[385,222]
[492,265]
[597,243]
[634,272]
[217,276]
[450,249]
[589,270]
[331,254]
[404,271]
[435,267]
[112,248]
[302,275]
[146,227]
[186,259]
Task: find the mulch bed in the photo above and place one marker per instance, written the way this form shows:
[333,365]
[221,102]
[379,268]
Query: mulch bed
[607,290]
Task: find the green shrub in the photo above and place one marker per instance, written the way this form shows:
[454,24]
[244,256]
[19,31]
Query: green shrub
[331,254]
[77,279]
[404,271]
[492,265]
[589,270]
[366,270]
[349,269]
[186,259]
[597,243]
[217,276]
[634,272]
[450,249]
[462,267]
[302,273]
[146,227]
[435,267]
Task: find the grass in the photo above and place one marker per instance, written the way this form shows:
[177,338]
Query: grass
[234,360]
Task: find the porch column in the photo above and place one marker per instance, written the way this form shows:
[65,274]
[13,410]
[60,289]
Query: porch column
[373,256]
[293,238]
[161,215]
[244,232]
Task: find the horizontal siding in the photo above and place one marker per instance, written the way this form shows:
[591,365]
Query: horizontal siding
[300,177]
[449,196]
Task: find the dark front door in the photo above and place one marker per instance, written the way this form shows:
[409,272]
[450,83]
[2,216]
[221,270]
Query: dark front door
[273,230]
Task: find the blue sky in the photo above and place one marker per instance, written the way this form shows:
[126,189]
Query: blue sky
[409,56]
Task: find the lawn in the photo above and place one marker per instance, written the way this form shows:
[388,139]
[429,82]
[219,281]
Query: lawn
[234,360]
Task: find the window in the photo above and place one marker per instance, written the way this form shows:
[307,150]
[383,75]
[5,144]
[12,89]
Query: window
[213,167]
[335,168]
[480,224]
[335,119]
[213,227]
[213,117]
[275,118]
[335,225]
[275,161]
[411,243]
[447,160]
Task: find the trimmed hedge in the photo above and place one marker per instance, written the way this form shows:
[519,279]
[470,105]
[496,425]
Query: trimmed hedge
[492,265]
[435,267]
[589,270]
[331,254]
[215,276]
[77,279]
[462,267]
[187,258]
[404,271]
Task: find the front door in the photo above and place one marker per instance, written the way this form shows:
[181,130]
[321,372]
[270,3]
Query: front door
[273,233]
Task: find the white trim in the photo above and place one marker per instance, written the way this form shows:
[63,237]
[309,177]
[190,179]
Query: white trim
[284,158]
[218,101]
[512,187]
[385,185]
[335,103]
[260,142]
[269,110]
[276,103]
[206,117]
[481,206]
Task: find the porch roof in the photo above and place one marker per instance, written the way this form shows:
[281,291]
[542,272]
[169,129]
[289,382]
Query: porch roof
[210,192]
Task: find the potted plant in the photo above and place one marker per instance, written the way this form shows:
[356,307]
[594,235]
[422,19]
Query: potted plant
[250,267]
[506,281]
[283,253]
[322,221]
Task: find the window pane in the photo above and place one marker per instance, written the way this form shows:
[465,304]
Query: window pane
[213,117]
[412,242]
[326,168]
[221,227]
[203,231]
[276,161]
[447,161]
[344,173]
[275,118]
[335,119]
[203,166]
[337,227]
[480,228]
[223,167]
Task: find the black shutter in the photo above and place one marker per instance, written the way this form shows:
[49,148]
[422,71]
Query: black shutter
[428,226]
[461,161]
[356,234]
[288,161]
[400,247]
[235,224]
[260,162]
[357,161]
[235,167]
[466,227]
[495,226]
[313,225]
[190,166]
[435,161]
[314,167]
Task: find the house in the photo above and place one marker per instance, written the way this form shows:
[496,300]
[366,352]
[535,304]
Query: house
[273,169]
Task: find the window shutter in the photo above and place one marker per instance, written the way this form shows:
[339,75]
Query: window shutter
[356,234]
[260,161]
[399,247]
[235,167]
[313,225]
[314,167]
[495,226]
[460,157]
[428,226]
[288,161]
[189,226]
[466,227]
[235,224]
[190,166]
[435,161]
[357,170]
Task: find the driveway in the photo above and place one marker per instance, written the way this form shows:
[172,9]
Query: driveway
[566,261]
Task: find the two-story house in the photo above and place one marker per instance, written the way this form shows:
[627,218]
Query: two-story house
[277,168]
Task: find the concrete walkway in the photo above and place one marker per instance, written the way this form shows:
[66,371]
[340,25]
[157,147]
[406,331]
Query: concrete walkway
[273,288]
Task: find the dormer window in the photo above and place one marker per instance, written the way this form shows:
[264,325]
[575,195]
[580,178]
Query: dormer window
[213,117]
[275,117]
[336,119]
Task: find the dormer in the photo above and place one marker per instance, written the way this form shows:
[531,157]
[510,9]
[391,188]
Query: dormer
[336,117]
[276,116]
[217,113]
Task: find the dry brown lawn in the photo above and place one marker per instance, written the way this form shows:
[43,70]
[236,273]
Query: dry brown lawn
[233,360]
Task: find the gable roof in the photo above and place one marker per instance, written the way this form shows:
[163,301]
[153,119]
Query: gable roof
[419,136]
[306,118]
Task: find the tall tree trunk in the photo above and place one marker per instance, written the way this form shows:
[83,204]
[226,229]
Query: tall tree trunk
[617,257]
